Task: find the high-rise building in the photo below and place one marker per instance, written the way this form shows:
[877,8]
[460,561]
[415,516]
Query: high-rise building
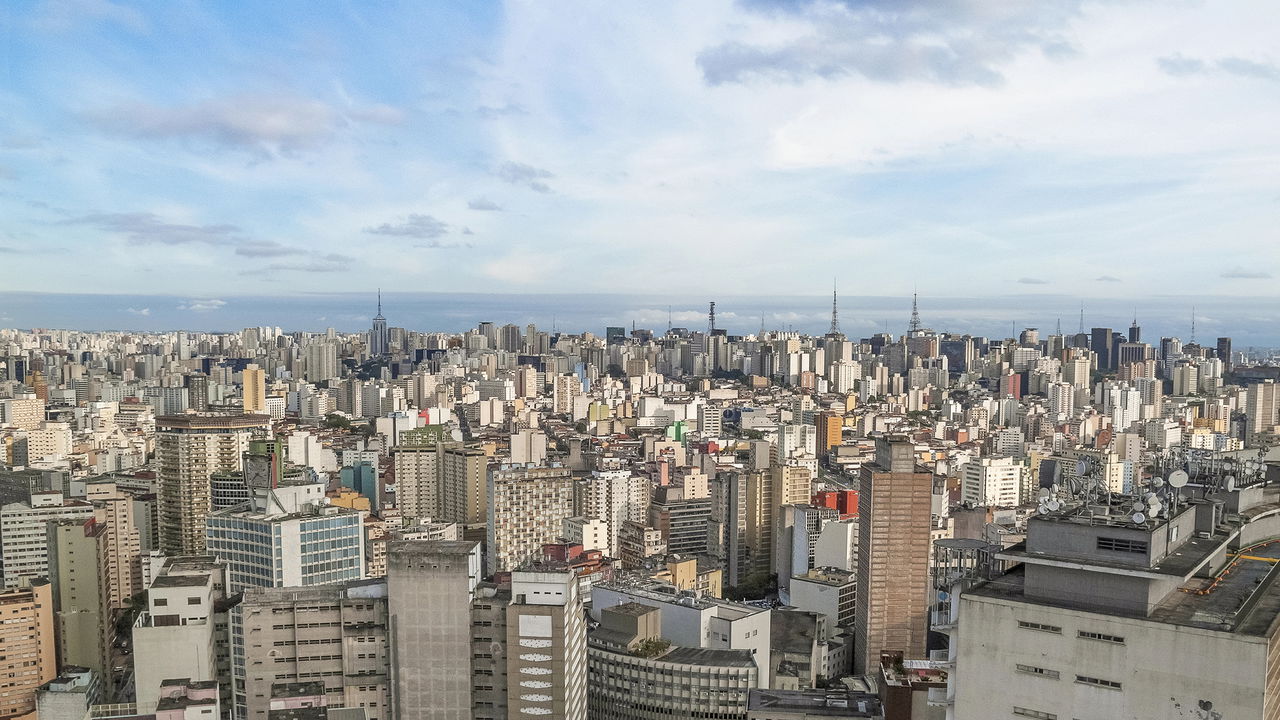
[255,389]
[1262,406]
[114,510]
[78,570]
[28,658]
[527,508]
[1100,344]
[1224,353]
[547,646]
[995,482]
[430,586]
[830,428]
[190,448]
[895,501]
[24,533]
[615,496]
[379,338]
[181,629]
[335,635]
[321,358]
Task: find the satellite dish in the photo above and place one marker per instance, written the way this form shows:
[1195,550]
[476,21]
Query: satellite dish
[1139,506]
[1054,505]
[1042,510]
[1138,518]
[1055,488]
[1157,482]
[1082,466]
[1154,505]
[1178,478]
[1044,493]
[1231,483]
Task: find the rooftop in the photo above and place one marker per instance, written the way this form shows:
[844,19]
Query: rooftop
[832,703]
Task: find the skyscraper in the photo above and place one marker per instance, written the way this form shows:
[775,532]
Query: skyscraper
[895,501]
[527,508]
[255,389]
[1100,344]
[29,659]
[190,448]
[1224,353]
[379,338]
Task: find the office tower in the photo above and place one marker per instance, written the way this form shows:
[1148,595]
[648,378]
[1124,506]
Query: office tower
[379,339]
[681,513]
[179,631]
[362,477]
[1262,406]
[1224,353]
[615,496]
[189,448]
[546,617]
[78,571]
[1135,332]
[24,533]
[198,392]
[288,536]
[321,358]
[830,427]
[114,510]
[255,389]
[1100,344]
[417,474]
[336,633]
[28,657]
[527,508]
[991,481]
[430,586]
[895,500]
[1091,616]
[24,411]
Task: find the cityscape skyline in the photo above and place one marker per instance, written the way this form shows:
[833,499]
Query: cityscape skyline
[860,316]
[1023,147]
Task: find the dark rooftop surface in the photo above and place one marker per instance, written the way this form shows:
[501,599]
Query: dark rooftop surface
[816,702]
[169,581]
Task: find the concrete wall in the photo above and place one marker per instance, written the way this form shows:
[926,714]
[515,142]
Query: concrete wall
[1165,671]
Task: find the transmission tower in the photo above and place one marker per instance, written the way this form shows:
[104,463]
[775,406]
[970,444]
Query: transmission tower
[914,327]
[711,319]
[835,314]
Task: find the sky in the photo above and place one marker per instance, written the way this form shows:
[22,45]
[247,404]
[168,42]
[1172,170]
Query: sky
[964,148]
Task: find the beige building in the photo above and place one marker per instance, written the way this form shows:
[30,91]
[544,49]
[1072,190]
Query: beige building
[335,635]
[190,448]
[528,506]
[78,570]
[895,502]
[255,389]
[24,533]
[115,511]
[441,480]
[29,658]
[23,411]
[635,674]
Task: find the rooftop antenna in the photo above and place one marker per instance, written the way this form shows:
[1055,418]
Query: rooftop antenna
[1081,331]
[835,314]
[761,323]
[668,319]
[711,319]
[915,313]
[1193,324]
[1059,331]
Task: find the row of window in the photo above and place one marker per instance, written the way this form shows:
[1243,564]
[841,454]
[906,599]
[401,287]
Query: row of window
[1082,634]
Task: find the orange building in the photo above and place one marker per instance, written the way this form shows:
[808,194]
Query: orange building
[29,659]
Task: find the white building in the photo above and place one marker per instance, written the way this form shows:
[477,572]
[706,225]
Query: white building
[993,482]
[24,533]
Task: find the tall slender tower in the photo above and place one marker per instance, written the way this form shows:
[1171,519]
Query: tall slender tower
[835,314]
[914,327]
[711,319]
[379,338]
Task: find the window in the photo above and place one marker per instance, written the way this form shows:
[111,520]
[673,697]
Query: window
[1098,682]
[1039,626]
[193,601]
[1038,715]
[161,602]
[1123,545]
[1103,637]
[1042,672]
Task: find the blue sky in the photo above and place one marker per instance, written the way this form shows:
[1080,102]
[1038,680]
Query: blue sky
[973,149]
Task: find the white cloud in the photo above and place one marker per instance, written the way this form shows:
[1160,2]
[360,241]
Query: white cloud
[202,305]
[141,312]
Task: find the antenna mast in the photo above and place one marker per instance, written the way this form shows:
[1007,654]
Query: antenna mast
[1193,324]
[835,313]
[1081,331]
[711,319]
[914,327]
[668,319]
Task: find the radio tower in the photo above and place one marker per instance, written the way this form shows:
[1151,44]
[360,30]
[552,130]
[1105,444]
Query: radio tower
[711,319]
[835,314]
[1193,324]
[1081,319]
[914,327]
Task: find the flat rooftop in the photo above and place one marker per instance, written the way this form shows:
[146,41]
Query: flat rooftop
[815,703]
